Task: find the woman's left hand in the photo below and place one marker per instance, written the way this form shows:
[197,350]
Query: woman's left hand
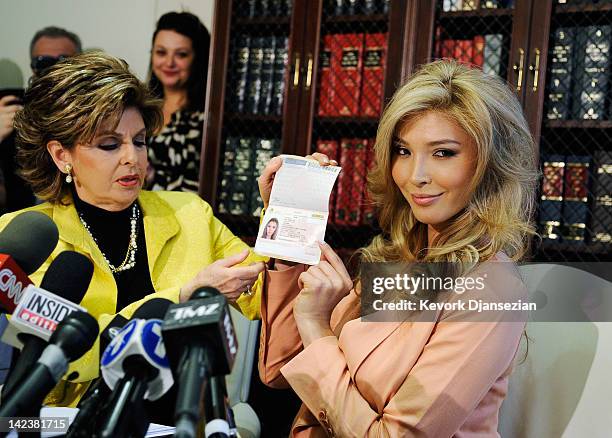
[322,287]
[266,178]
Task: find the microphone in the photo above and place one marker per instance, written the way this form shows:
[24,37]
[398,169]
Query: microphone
[135,367]
[201,343]
[42,308]
[25,243]
[74,336]
[92,401]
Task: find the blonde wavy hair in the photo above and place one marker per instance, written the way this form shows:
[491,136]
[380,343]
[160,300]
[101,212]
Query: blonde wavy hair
[498,216]
[69,104]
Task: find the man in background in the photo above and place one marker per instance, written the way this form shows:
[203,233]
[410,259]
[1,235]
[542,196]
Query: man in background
[47,47]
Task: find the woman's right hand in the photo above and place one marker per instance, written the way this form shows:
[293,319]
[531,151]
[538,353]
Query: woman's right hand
[8,108]
[267,175]
[223,275]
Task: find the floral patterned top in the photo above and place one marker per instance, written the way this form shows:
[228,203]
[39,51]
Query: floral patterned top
[174,153]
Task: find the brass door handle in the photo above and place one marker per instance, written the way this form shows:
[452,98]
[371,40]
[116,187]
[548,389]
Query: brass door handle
[309,72]
[296,71]
[520,67]
[535,69]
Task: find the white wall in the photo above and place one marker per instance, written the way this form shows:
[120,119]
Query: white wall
[120,27]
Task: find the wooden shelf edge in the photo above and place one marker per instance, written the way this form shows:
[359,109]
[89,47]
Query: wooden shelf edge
[577,9]
[382,18]
[581,124]
[579,248]
[254,21]
[254,117]
[349,119]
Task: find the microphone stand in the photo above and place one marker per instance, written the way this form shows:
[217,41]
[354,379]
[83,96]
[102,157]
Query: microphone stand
[129,392]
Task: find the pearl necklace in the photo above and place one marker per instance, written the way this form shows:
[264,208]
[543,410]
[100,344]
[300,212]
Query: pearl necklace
[130,258]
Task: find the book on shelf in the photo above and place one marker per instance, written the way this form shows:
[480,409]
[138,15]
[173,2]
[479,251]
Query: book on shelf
[265,149]
[470,5]
[267,75]
[464,51]
[326,88]
[276,8]
[492,54]
[266,8]
[243,160]
[494,4]
[452,5]
[591,72]
[355,7]
[549,221]
[370,7]
[478,55]
[575,198]
[329,148]
[241,69]
[343,193]
[601,217]
[368,210]
[358,179]
[256,54]
[447,49]
[256,8]
[346,64]
[484,51]
[281,57]
[561,70]
[373,75]
[224,192]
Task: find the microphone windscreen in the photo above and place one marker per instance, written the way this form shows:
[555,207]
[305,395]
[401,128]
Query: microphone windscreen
[153,308]
[204,292]
[75,334]
[68,276]
[29,239]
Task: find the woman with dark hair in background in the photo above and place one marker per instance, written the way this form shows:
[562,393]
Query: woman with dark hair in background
[178,71]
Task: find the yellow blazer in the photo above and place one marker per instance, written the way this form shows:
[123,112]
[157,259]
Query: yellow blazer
[182,237]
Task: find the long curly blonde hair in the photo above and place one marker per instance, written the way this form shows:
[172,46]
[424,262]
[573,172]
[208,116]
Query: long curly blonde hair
[498,216]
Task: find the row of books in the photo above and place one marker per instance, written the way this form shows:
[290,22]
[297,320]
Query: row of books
[576,198]
[264,8]
[351,74]
[579,79]
[349,203]
[357,7]
[244,158]
[473,5]
[484,51]
[259,65]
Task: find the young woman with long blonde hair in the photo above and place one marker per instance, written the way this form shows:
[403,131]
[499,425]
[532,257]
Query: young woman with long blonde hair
[454,182]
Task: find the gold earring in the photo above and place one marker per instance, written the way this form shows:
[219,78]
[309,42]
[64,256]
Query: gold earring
[68,169]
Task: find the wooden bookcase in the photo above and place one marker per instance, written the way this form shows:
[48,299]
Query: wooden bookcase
[415,29]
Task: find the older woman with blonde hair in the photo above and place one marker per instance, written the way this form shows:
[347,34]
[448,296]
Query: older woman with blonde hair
[455,182]
[82,136]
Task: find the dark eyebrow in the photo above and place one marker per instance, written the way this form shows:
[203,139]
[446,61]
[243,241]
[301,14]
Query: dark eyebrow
[117,135]
[161,46]
[399,142]
[443,141]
